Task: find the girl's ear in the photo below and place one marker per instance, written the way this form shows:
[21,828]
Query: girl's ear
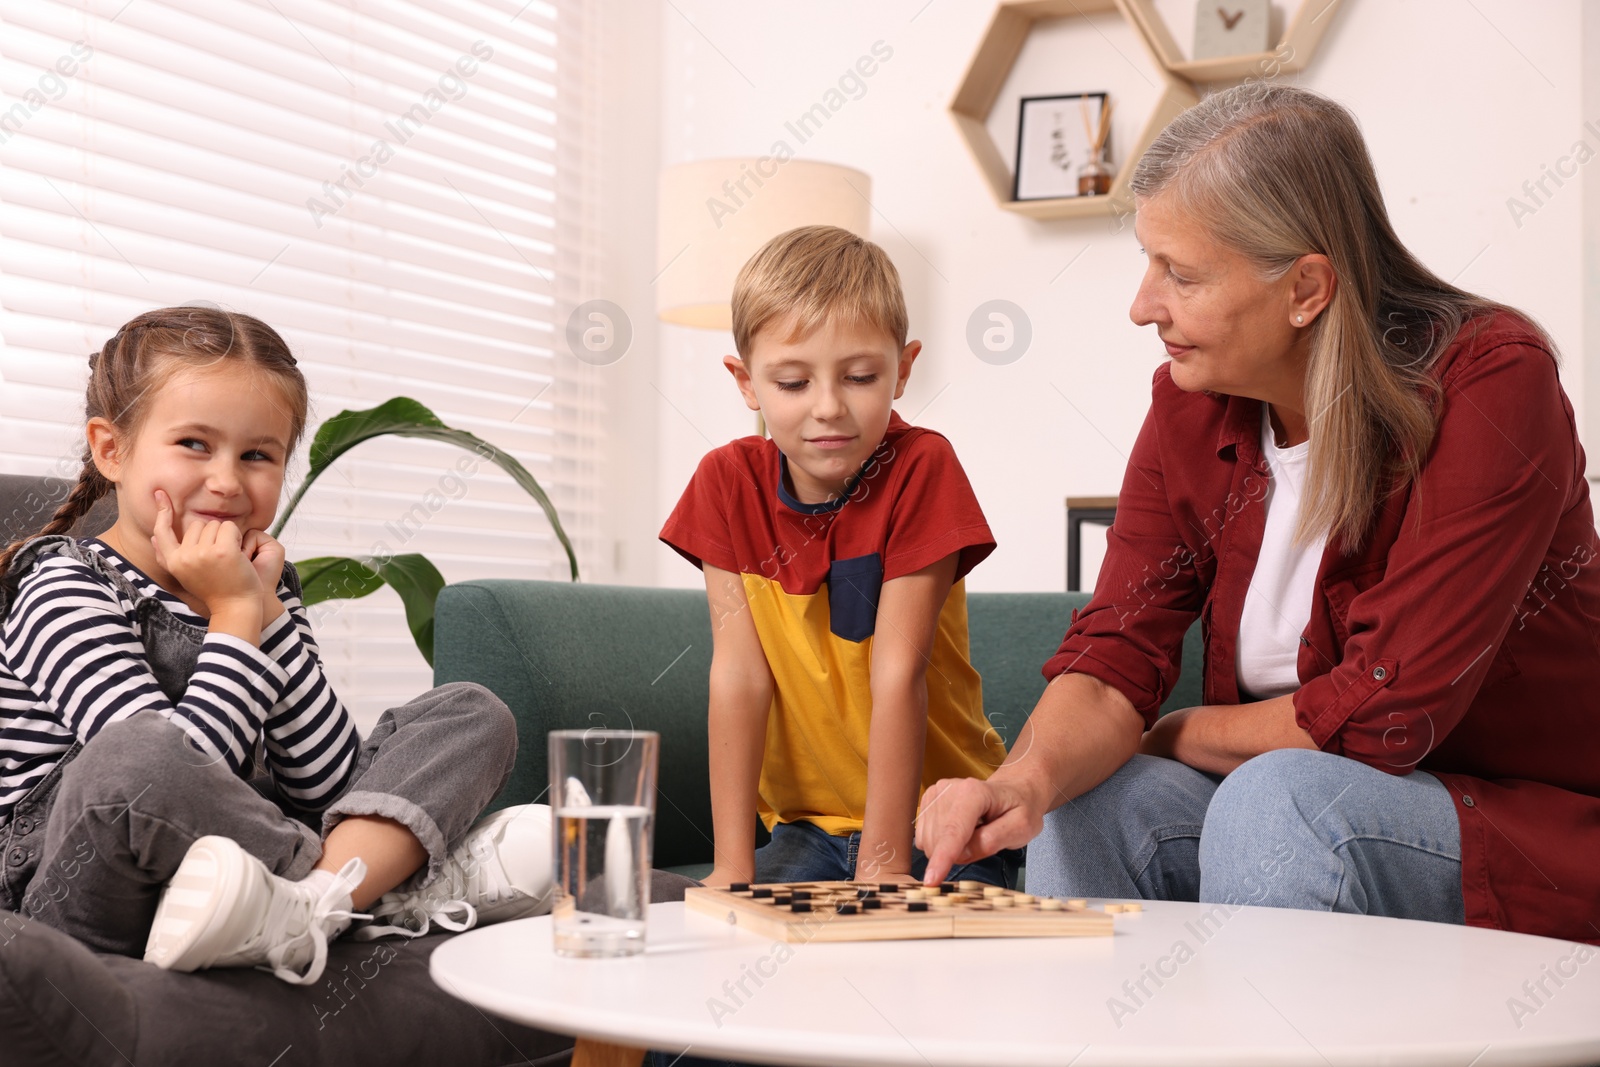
[103,450]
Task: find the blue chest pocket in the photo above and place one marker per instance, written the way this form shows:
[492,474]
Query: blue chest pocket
[853,586]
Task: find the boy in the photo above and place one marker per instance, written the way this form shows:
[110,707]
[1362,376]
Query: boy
[833,556]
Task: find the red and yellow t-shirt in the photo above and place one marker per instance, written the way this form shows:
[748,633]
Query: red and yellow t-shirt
[812,574]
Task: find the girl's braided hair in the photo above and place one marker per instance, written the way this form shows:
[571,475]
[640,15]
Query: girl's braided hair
[132,367]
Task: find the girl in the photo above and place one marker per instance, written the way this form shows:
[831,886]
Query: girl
[146,673]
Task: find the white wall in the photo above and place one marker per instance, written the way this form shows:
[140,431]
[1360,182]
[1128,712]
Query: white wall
[629,152]
[1590,295]
[1461,104]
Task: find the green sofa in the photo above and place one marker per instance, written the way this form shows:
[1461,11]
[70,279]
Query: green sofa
[567,655]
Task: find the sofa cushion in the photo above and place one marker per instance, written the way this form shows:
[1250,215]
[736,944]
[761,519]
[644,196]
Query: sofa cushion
[569,656]
[61,1004]
[1012,634]
[27,502]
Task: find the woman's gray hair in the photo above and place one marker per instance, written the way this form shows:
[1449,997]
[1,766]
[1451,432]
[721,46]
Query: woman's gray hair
[1275,172]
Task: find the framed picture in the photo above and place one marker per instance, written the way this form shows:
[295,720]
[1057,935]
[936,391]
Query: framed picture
[1053,142]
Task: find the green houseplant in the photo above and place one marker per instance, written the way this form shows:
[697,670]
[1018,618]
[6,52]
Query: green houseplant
[411,575]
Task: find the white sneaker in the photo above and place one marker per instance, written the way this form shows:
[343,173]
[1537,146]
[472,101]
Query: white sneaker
[223,908]
[500,870]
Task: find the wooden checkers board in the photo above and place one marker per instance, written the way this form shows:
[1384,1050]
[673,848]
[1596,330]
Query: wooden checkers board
[871,911]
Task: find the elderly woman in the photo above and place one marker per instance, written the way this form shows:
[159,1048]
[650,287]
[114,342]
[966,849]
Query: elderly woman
[1367,484]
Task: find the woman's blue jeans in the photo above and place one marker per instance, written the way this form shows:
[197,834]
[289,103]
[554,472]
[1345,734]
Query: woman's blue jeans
[1291,828]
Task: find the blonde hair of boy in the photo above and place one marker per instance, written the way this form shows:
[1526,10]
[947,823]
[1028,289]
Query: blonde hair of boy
[814,273]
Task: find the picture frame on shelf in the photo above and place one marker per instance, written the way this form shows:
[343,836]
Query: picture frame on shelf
[1055,142]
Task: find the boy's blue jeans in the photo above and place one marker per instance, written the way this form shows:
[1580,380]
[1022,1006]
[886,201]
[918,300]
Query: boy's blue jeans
[804,852]
[1291,828]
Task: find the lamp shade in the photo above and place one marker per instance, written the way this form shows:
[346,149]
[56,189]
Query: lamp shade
[716,213]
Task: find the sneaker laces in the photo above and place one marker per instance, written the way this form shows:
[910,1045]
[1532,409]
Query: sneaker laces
[472,872]
[313,916]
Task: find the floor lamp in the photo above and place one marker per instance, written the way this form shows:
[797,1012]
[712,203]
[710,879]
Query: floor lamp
[716,213]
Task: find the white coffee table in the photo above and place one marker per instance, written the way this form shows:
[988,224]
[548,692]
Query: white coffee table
[1178,984]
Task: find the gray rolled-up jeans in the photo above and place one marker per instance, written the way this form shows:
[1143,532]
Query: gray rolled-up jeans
[90,847]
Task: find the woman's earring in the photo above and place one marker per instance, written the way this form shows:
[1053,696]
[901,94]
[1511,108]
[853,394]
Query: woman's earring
[1299,319]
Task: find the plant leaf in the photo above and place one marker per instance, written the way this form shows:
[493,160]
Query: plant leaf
[335,578]
[405,417]
[412,576]
[418,582]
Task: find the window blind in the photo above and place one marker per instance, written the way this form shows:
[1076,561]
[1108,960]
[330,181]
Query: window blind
[398,186]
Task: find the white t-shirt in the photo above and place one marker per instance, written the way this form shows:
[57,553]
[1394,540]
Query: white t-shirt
[1278,605]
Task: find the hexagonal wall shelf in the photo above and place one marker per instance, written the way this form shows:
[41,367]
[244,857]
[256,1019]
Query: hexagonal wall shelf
[1306,27]
[986,76]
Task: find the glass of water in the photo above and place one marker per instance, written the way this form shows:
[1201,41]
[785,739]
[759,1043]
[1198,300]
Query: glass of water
[603,792]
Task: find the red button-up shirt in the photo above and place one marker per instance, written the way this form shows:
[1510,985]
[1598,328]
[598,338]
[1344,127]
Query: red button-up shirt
[1462,639]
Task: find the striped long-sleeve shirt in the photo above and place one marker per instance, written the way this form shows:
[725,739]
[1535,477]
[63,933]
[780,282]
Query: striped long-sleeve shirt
[71,661]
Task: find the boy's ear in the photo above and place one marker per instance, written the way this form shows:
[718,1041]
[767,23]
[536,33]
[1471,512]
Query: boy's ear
[907,357]
[102,437]
[741,375]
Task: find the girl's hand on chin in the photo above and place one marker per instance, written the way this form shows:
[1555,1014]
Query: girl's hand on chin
[208,560]
[266,555]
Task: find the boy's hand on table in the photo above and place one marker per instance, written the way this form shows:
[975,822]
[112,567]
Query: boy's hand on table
[722,877]
[880,859]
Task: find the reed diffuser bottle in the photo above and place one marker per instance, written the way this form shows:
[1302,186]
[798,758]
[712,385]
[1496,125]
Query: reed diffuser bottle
[1094,177]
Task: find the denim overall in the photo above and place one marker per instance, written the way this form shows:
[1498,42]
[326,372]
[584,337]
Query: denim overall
[171,645]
